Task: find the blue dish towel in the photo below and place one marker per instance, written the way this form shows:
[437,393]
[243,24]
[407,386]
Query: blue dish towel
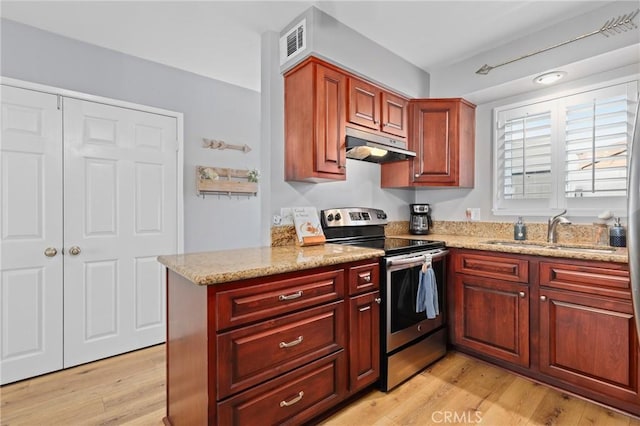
[427,298]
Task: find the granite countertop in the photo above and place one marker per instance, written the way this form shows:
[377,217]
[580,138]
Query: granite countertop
[620,254]
[231,265]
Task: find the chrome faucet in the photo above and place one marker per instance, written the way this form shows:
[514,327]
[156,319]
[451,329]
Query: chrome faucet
[551,227]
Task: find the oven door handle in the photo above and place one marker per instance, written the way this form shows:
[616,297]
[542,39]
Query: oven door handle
[416,259]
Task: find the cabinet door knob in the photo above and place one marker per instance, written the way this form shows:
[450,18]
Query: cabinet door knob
[522,294]
[417,175]
[50,251]
[74,251]
[378,300]
[543,298]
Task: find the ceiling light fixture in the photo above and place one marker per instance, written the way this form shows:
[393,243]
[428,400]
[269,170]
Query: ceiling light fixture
[549,77]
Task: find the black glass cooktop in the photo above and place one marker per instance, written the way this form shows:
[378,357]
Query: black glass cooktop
[396,245]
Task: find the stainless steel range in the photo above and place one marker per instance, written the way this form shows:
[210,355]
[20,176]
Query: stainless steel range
[411,338]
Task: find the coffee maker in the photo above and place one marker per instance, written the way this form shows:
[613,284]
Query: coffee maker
[420,220]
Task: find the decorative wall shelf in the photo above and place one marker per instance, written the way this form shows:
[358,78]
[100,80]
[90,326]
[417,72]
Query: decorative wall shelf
[218,181]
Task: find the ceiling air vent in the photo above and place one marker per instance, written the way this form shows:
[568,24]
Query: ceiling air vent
[293,42]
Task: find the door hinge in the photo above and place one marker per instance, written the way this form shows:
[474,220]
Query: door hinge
[177,146]
[59,101]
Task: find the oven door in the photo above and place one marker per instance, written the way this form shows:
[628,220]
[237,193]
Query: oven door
[403,323]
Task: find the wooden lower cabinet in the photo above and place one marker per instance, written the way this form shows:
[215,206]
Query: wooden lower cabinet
[364,325]
[565,322]
[589,341]
[281,349]
[292,398]
[492,317]
[250,355]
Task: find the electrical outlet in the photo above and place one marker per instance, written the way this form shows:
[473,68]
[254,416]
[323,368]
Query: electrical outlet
[286,214]
[473,214]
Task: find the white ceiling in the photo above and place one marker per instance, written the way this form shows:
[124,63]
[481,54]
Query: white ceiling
[221,39]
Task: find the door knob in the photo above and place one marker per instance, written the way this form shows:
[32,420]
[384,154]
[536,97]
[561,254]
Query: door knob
[378,300]
[522,294]
[417,175]
[74,251]
[543,298]
[50,251]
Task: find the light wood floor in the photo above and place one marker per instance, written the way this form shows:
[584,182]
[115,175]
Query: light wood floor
[130,390]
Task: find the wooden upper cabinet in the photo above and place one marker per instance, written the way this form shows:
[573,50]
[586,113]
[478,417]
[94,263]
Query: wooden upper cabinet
[377,109]
[442,133]
[443,137]
[364,104]
[315,117]
[394,114]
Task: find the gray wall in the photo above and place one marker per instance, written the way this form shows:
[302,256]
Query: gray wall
[460,79]
[591,59]
[450,204]
[329,39]
[211,108]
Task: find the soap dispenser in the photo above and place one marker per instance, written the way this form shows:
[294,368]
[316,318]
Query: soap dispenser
[617,235]
[519,230]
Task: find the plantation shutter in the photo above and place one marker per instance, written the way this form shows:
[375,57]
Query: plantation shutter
[597,134]
[526,156]
[569,152]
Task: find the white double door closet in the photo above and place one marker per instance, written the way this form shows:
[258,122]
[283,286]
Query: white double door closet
[90,197]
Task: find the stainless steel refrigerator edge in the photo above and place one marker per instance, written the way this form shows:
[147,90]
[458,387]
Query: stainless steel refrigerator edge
[633,218]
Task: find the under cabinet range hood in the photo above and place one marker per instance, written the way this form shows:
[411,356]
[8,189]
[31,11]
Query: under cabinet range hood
[375,148]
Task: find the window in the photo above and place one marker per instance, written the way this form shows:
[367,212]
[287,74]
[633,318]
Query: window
[568,152]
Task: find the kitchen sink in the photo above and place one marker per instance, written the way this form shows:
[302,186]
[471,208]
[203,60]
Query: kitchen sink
[520,244]
[586,249]
[565,247]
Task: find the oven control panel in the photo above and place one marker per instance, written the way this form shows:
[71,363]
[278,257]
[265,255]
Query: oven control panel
[352,216]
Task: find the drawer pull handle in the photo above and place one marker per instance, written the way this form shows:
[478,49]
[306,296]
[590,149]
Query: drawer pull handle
[291,343]
[293,401]
[290,296]
[366,278]
[365,308]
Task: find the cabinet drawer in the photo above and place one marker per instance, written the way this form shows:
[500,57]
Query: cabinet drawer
[257,302]
[364,278]
[289,399]
[253,354]
[604,281]
[493,266]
